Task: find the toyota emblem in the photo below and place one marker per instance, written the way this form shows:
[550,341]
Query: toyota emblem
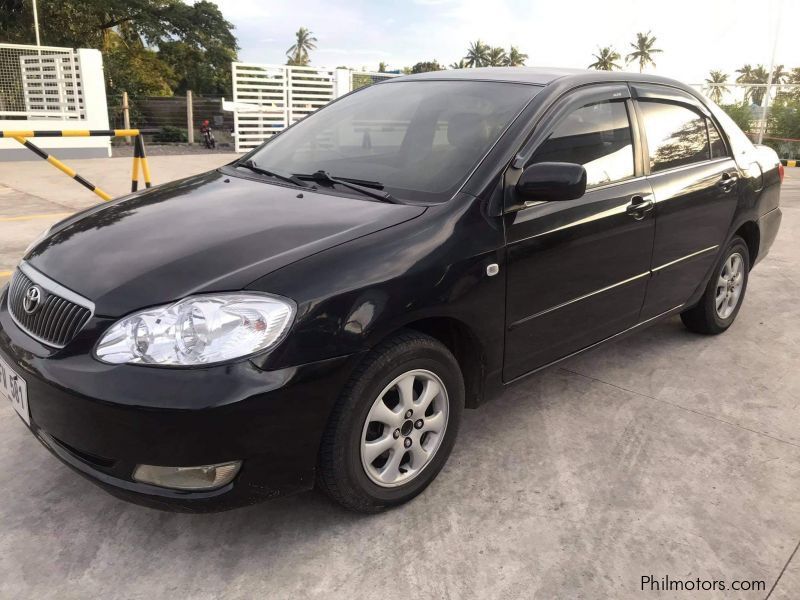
[32,299]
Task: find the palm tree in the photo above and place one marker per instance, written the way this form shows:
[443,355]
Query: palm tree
[643,50]
[458,65]
[477,54]
[745,76]
[298,53]
[759,76]
[716,85]
[497,57]
[516,58]
[604,59]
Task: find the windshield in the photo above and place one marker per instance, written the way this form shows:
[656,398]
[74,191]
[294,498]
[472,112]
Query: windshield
[419,140]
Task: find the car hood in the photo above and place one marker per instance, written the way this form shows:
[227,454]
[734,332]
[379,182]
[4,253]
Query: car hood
[211,232]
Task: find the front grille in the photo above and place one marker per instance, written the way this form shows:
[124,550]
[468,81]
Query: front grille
[56,320]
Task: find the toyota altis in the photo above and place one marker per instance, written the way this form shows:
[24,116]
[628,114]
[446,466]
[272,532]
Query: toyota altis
[322,310]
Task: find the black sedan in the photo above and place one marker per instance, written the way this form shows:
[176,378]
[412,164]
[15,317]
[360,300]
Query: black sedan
[321,311]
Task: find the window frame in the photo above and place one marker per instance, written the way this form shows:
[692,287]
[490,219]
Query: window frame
[643,92]
[726,147]
[573,100]
[626,111]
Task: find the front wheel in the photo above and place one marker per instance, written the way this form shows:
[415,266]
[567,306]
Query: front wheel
[723,298]
[394,426]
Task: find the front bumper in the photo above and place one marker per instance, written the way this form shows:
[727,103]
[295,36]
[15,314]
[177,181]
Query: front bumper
[102,420]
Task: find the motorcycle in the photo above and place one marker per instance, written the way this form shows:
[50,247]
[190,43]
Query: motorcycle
[208,136]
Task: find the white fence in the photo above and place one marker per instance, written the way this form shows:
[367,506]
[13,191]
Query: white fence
[45,87]
[269,98]
[40,83]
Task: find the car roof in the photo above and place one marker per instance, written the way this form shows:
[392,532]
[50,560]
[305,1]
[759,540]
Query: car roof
[536,76]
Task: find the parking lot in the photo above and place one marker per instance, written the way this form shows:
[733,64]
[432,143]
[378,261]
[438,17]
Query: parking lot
[666,454]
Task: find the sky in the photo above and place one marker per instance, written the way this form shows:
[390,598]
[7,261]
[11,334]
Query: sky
[696,35]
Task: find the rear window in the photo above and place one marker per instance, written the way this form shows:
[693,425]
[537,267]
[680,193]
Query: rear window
[676,135]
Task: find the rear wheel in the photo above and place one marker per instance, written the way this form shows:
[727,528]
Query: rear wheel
[721,301]
[394,426]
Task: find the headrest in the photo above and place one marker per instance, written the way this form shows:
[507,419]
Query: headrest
[465,130]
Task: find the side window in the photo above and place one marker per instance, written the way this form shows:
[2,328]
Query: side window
[676,135]
[715,141]
[597,136]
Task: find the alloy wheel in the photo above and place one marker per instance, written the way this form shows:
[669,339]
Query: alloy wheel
[404,428]
[729,285]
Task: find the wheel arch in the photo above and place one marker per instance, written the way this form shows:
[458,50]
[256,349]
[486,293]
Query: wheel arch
[465,345]
[751,235]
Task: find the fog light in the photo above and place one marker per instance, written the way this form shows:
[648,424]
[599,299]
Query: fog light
[205,477]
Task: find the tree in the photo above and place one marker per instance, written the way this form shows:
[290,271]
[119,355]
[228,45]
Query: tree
[792,93]
[382,67]
[131,33]
[784,122]
[746,75]
[427,66]
[477,54]
[605,59]
[137,70]
[206,72]
[740,114]
[516,58]
[496,57]
[758,77]
[459,65]
[304,43]
[716,85]
[643,50]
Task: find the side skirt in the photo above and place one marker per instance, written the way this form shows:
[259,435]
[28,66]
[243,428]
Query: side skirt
[641,325]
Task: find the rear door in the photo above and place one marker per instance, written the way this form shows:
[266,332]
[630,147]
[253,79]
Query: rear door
[577,270]
[694,181]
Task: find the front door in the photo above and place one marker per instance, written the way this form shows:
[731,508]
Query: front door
[577,270]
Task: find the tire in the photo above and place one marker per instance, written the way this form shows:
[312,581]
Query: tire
[350,472]
[705,317]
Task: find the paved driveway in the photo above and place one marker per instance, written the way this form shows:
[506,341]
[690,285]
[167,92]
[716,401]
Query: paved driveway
[664,454]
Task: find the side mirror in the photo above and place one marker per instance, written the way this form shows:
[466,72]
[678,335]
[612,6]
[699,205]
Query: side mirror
[552,181]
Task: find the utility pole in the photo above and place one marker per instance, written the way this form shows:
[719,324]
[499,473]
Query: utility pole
[36,23]
[762,128]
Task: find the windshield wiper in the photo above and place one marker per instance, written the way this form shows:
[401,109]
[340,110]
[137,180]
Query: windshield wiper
[252,166]
[365,187]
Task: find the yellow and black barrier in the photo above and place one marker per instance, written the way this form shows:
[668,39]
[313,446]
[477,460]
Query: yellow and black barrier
[139,156]
[790,163]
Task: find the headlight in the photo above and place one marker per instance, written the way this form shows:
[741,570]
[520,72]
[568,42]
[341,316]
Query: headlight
[198,330]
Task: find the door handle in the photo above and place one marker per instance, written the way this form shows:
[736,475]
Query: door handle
[728,181]
[640,206]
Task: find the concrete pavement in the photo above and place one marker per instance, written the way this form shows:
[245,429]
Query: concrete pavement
[664,454]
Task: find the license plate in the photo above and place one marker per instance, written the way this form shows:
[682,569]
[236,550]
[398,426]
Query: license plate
[14,389]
